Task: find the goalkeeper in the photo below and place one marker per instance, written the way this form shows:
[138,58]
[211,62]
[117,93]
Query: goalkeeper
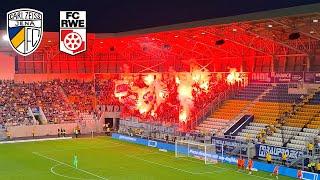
[75,161]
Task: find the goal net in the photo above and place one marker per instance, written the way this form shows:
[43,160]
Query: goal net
[202,151]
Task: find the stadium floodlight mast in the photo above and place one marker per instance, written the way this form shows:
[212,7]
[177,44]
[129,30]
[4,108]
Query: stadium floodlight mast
[5,37]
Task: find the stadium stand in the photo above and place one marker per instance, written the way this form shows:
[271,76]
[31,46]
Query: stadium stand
[49,97]
[272,105]
[289,124]
[17,99]
[105,92]
[232,109]
[80,94]
[66,101]
[252,91]
[268,112]
[279,93]
[212,125]
[14,102]
[304,123]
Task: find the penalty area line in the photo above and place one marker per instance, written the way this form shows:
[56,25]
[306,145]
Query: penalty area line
[57,161]
[196,173]
[174,168]
[55,173]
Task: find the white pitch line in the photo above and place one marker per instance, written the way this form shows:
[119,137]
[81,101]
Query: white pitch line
[35,140]
[184,159]
[55,173]
[228,169]
[49,158]
[178,169]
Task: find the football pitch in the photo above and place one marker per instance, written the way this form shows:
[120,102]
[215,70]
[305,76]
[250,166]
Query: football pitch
[105,158]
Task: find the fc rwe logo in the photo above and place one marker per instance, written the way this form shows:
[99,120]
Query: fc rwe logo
[73,35]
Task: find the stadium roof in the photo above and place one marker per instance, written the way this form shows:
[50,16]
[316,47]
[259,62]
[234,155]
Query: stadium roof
[264,34]
[256,16]
[123,15]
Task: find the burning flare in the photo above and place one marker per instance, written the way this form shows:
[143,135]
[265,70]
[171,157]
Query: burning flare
[233,76]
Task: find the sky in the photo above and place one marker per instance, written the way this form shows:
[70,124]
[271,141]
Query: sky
[109,16]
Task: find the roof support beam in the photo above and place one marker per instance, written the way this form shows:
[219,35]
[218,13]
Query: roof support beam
[237,42]
[269,39]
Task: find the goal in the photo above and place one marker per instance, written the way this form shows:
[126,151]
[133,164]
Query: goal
[202,151]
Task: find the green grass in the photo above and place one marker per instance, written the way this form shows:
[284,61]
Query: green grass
[105,158]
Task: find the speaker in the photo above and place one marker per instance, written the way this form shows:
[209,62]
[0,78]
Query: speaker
[220,42]
[294,36]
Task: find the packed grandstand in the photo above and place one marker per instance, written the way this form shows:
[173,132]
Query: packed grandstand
[234,84]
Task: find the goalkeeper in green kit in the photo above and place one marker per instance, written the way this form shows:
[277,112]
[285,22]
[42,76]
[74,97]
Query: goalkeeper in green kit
[75,161]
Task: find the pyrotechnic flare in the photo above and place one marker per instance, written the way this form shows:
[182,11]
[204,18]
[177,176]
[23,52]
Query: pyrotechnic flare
[160,92]
[185,96]
[143,102]
[183,116]
[201,77]
[149,79]
[233,76]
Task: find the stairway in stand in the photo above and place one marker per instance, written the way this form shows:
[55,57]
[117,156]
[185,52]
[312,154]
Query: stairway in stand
[231,110]
[246,110]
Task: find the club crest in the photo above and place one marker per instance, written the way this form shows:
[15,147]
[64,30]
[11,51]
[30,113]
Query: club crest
[73,37]
[24,29]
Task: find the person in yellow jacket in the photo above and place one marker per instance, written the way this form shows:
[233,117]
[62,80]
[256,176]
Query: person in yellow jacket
[8,135]
[310,147]
[33,132]
[318,167]
[248,137]
[268,158]
[284,158]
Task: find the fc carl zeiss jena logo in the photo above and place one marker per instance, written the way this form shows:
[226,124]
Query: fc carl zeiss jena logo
[73,36]
[25,28]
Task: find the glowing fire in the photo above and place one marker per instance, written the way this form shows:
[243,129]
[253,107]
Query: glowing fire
[205,86]
[234,76]
[185,91]
[156,90]
[183,116]
[141,105]
[185,96]
[196,76]
[149,79]
[177,80]
[201,77]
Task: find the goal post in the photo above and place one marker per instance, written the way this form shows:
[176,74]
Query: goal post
[202,151]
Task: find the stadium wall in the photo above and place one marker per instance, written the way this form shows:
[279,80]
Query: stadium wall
[40,130]
[262,166]
[86,127]
[46,77]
